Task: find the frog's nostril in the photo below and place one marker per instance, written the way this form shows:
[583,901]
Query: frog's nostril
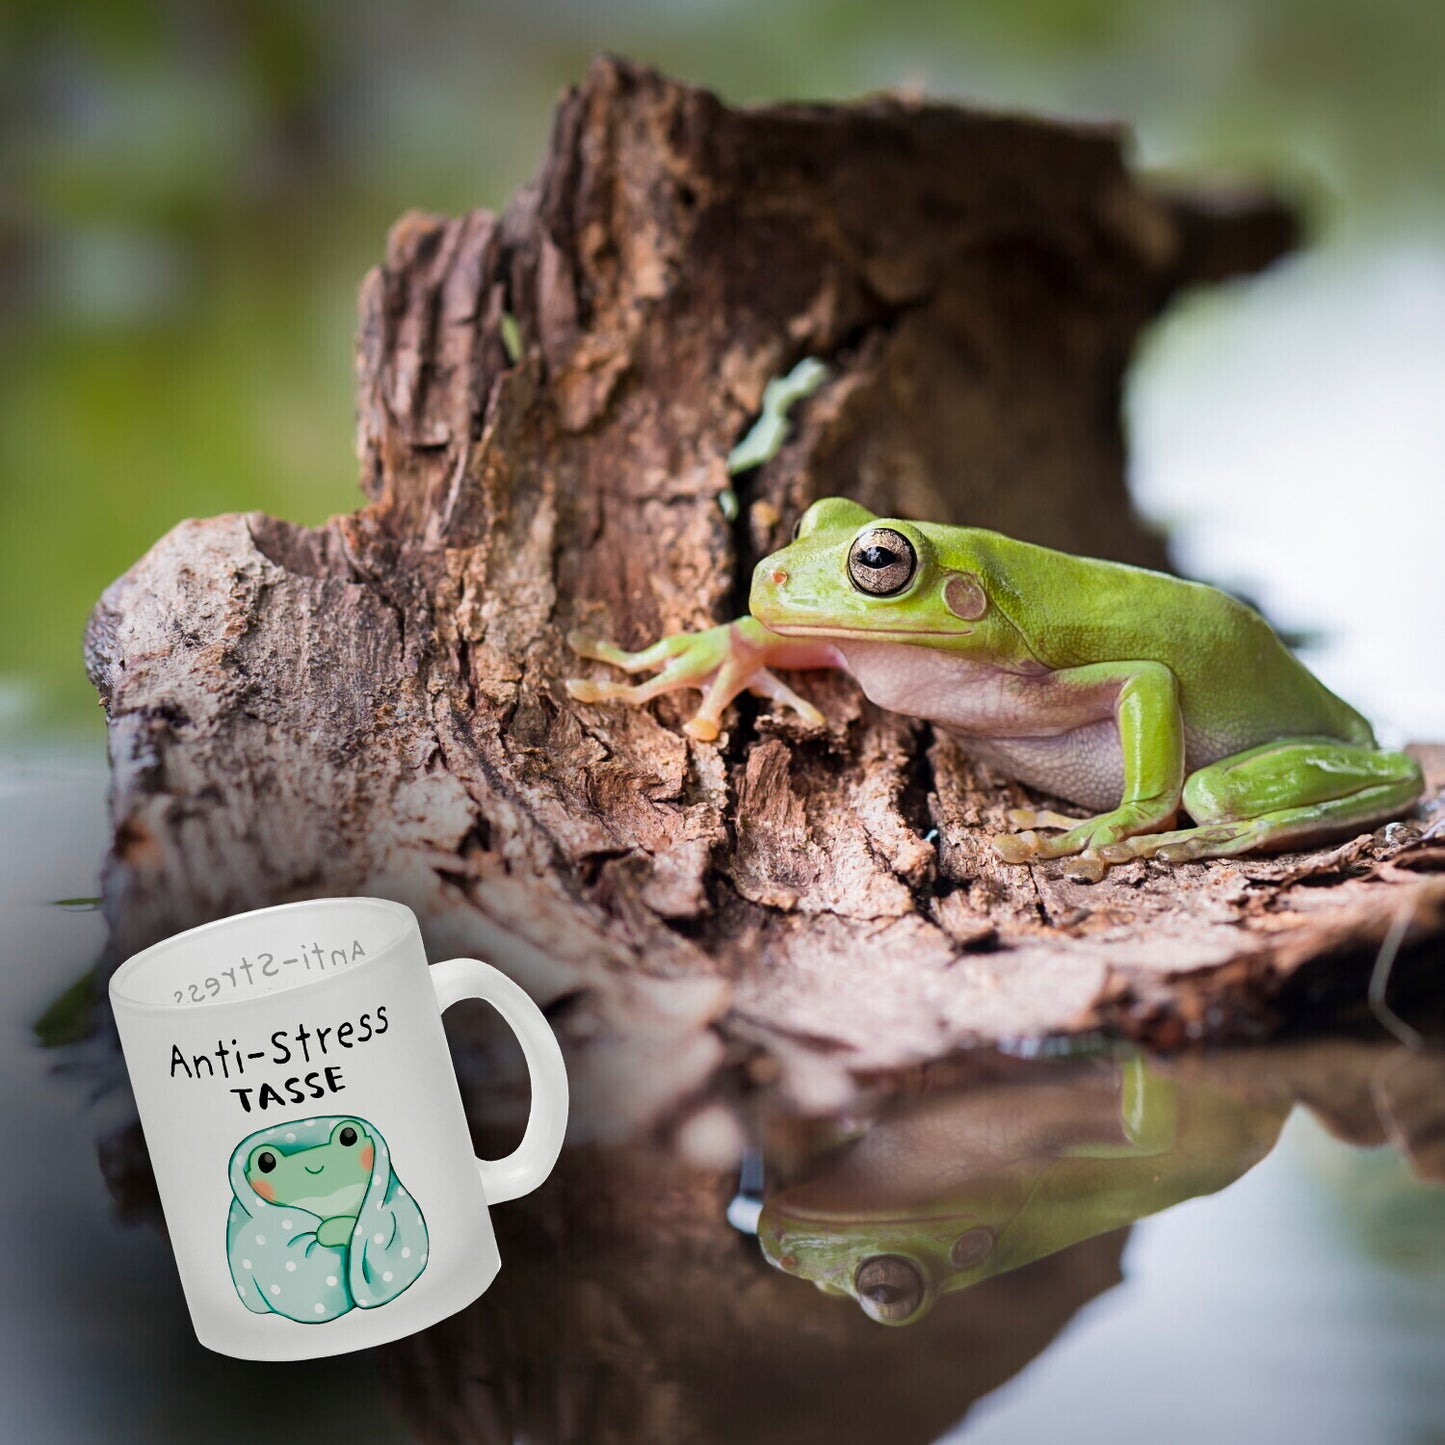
[777,577]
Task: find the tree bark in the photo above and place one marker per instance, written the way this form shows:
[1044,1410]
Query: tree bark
[377,705]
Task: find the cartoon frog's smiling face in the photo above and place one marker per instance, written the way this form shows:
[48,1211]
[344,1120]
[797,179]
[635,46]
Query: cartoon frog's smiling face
[328,1179]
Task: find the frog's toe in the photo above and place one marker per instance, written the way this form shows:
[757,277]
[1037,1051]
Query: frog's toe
[599,649]
[1016,847]
[584,644]
[1117,852]
[588,689]
[1038,818]
[1086,867]
[704,729]
[765,684]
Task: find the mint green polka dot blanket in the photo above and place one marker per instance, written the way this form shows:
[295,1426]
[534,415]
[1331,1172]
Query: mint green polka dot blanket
[320,1223]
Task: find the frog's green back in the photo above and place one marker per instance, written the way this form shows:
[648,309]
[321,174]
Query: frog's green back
[1239,684]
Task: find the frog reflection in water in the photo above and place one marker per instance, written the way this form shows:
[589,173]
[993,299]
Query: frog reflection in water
[958,1189]
[329,1180]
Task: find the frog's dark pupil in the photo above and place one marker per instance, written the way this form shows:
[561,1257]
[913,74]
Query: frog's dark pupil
[348,1135]
[266,1162]
[881,562]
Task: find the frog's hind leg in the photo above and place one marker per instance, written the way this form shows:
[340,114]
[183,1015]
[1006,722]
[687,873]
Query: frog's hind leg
[1281,795]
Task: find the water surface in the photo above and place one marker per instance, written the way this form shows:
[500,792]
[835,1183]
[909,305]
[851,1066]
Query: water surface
[1233,1246]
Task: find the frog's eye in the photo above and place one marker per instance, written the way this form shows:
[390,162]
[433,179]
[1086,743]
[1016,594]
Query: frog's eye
[889,1287]
[265,1161]
[881,562]
[347,1136]
[798,527]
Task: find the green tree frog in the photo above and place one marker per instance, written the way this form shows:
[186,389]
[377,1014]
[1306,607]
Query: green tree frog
[1133,694]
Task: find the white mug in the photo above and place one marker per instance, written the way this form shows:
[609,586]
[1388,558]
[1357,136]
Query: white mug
[306,1129]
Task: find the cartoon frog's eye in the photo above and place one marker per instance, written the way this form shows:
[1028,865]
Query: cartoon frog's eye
[881,562]
[347,1136]
[890,1288]
[265,1161]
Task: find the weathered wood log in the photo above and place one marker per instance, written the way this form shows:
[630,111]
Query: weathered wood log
[547,401]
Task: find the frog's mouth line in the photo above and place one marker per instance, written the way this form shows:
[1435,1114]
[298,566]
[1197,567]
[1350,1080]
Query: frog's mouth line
[869,634]
[825,1217]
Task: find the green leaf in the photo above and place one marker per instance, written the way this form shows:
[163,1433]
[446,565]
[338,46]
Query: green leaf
[71,1017]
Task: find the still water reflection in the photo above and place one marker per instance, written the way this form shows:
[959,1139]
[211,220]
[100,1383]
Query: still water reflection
[1204,1247]
[956,1189]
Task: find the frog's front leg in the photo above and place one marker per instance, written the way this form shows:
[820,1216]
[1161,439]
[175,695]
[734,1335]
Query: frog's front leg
[1151,739]
[1148,1112]
[336,1230]
[1293,793]
[722,661]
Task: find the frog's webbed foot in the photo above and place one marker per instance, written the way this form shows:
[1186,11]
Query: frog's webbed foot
[739,674]
[721,661]
[1090,845]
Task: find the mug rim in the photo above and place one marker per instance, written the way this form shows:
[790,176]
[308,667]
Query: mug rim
[137,962]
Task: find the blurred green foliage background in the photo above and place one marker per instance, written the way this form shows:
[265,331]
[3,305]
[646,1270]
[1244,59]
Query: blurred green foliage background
[191,191]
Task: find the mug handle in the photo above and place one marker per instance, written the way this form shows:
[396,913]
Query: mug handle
[532,1160]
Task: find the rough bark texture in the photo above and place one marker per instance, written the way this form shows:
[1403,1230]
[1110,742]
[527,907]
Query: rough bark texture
[377,705]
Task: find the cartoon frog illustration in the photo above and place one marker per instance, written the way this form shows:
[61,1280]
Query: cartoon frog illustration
[320,1223]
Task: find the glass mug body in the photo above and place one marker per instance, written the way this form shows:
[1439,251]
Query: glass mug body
[306,1130]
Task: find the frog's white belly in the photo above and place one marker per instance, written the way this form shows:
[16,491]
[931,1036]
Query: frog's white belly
[1057,737]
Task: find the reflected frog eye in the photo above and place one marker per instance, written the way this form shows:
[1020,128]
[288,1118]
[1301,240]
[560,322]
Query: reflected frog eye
[890,1288]
[881,562]
[348,1136]
[265,1161]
